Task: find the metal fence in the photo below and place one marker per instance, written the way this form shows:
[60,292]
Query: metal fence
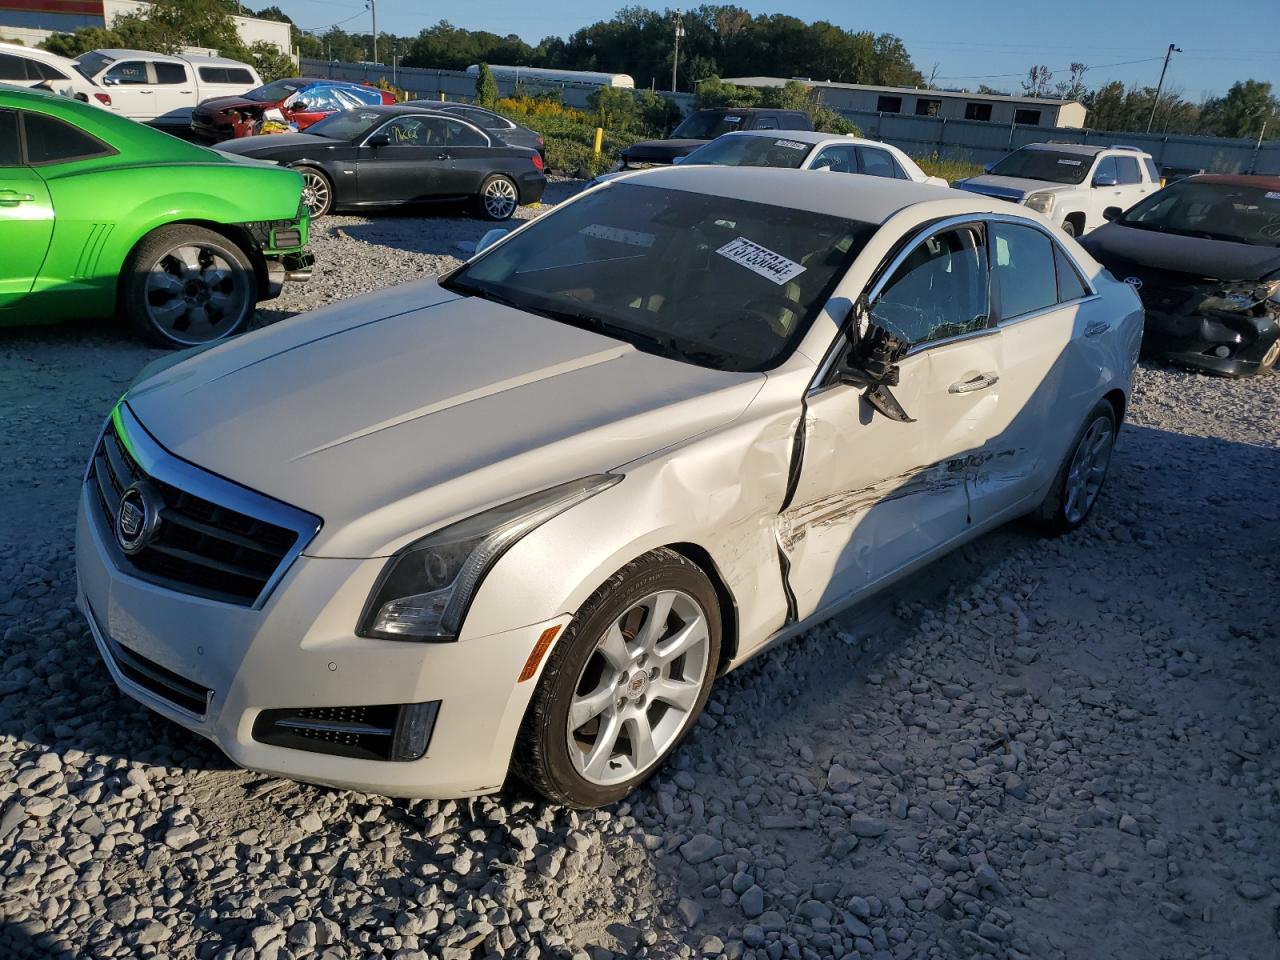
[458,85]
[974,141]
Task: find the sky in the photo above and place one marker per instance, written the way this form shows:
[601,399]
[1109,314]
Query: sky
[992,43]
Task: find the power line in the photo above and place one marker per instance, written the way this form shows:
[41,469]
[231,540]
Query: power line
[1102,66]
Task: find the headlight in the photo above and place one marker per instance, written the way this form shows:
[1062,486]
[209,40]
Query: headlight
[424,592]
[1040,202]
[1272,288]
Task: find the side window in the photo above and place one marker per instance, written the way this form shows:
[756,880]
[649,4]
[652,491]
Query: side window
[1071,285]
[1128,167]
[129,73]
[1152,171]
[1022,264]
[463,135]
[9,156]
[877,163]
[836,159]
[213,75]
[13,68]
[44,71]
[239,75]
[51,141]
[170,73]
[941,290]
[766,123]
[407,132]
[797,121]
[1107,168]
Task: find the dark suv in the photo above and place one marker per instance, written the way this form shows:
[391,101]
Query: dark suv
[705,125]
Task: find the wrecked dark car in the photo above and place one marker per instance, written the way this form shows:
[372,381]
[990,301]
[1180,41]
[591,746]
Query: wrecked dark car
[703,126]
[1204,256]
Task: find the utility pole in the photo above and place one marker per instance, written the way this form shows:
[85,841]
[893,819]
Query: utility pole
[675,60]
[1173,48]
[373,9]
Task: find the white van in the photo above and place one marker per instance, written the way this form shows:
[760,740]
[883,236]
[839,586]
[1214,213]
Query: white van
[30,67]
[160,89]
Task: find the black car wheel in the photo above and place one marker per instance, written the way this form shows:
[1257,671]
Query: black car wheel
[1080,479]
[499,197]
[317,191]
[1069,228]
[184,285]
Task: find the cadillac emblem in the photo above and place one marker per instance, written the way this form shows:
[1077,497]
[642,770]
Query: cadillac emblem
[137,517]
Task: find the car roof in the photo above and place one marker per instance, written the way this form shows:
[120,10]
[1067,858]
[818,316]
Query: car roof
[869,199]
[748,110]
[805,136]
[120,54]
[1085,149]
[214,61]
[1240,180]
[34,52]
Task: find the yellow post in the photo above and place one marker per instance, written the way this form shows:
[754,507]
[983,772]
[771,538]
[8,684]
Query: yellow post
[442,96]
[595,148]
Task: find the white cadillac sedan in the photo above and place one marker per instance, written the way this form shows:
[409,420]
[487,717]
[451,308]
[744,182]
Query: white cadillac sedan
[522,516]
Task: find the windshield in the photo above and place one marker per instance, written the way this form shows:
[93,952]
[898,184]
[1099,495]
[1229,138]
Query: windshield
[347,125]
[1047,165]
[271,92]
[1216,211]
[91,64]
[751,151]
[715,281]
[707,125]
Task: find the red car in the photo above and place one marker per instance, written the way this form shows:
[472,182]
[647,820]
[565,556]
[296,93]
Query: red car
[296,101]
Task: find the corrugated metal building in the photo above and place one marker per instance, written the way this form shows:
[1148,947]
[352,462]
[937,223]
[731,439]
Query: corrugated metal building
[913,101]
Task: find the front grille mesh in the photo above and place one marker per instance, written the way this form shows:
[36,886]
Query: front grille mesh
[199,548]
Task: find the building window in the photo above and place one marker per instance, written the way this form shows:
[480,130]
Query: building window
[977,111]
[1030,118]
[928,108]
[889,105]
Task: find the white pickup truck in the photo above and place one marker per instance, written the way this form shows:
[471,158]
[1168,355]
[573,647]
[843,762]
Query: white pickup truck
[1072,184]
[161,90]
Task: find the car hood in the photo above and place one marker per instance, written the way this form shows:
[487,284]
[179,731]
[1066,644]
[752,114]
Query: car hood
[264,142]
[1010,188]
[215,104]
[1116,244]
[660,151]
[391,414]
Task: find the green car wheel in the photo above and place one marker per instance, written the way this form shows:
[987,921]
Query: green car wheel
[185,285]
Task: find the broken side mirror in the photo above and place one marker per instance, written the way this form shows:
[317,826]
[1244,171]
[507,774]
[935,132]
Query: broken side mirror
[490,238]
[872,362]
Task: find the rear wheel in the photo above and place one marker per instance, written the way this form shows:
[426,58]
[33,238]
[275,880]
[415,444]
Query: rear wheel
[499,197]
[625,683]
[1069,227]
[1080,480]
[317,191]
[185,285]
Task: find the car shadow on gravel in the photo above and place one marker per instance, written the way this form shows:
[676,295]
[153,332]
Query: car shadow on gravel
[19,941]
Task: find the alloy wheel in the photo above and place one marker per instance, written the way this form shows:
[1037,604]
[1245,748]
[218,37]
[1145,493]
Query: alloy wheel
[1088,469]
[639,688]
[1270,358]
[196,293]
[315,192]
[500,200]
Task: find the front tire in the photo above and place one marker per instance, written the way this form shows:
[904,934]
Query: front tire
[185,285]
[1079,481]
[498,198]
[624,684]
[1069,227]
[317,191]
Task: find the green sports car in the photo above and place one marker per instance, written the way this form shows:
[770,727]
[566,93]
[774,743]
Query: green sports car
[100,215]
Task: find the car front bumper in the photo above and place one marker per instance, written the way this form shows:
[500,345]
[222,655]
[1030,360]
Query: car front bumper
[1229,345]
[171,651]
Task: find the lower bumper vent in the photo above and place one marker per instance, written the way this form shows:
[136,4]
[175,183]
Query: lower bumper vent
[379,732]
[161,681]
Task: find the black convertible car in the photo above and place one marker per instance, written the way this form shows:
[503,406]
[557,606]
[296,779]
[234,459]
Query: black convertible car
[395,155]
[1204,256]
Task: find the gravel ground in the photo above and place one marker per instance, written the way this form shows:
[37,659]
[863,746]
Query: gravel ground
[1059,749]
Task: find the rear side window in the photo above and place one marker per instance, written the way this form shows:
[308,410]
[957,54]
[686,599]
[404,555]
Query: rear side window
[13,68]
[1152,171]
[170,73]
[50,140]
[1127,168]
[1022,260]
[225,75]
[44,72]
[878,163]
[766,123]
[8,139]
[1071,285]
[463,135]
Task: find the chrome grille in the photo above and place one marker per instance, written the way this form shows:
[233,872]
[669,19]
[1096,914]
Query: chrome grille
[200,547]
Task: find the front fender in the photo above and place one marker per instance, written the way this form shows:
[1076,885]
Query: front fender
[720,492]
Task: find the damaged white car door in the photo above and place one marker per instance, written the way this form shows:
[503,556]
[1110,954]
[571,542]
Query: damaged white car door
[876,493]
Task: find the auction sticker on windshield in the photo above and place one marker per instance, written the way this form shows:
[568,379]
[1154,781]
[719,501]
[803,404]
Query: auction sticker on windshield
[773,266]
[791,144]
[1070,163]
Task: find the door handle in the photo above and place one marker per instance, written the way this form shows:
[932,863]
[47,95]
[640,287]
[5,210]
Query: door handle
[11,198]
[980,382]
[442,156]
